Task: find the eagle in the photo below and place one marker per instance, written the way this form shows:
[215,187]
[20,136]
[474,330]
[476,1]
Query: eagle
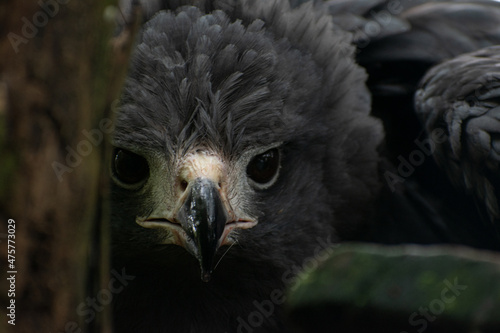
[252,135]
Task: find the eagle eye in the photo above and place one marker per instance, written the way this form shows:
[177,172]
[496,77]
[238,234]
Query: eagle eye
[129,168]
[264,167]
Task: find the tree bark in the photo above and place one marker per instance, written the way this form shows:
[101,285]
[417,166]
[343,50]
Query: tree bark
[58,79]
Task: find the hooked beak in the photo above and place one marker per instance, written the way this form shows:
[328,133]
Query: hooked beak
[203,218]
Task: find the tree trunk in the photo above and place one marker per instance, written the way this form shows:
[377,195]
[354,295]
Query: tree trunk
[58,79]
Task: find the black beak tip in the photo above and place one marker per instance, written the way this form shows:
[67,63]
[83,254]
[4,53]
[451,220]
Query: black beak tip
[205,276]
[203,217]
[206,268]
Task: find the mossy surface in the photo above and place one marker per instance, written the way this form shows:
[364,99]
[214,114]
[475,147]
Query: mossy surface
[449,287]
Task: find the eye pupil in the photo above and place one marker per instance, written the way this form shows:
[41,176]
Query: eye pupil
[262,168]
[130,168]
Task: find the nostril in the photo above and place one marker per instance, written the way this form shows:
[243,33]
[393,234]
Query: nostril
[184,185]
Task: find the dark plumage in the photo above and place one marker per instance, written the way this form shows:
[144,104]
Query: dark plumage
[467,109]
[209,82]
[244,143]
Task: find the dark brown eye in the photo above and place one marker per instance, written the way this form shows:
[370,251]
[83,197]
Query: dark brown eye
[264,167]
[129,168]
